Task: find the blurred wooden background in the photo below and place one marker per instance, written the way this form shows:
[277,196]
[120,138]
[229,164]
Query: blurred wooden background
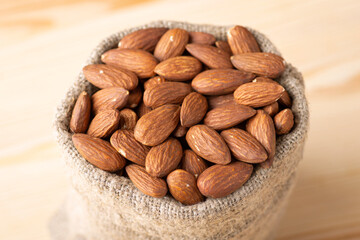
[43,44]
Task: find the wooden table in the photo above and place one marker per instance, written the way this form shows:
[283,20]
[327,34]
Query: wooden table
[43,44]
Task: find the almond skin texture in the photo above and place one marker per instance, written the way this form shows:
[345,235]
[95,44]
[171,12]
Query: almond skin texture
[98,152]
[134,98]
[80,117]
[141,62]
[147,184]
[241,40]
[228,116]
[220,81]
[222,100]
[125,143]
[163,158]
[109,98]
[180,68]
[219,181]
[258,94]
[202,38]
[105,76]
[154,127]
[261,126]
[143,109]
[284,121]
[152,82]
[180,131]
[145,39]
[104,124]
[211,56]
[272,109]
[128,119]
[166,93]
[192,163]
[223,45]
[243,146]
[182,186]
[193,109]
[171,44]
[285,99]
[259,63]
[208,144]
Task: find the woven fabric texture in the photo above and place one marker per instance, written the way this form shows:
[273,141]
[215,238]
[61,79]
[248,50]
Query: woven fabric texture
[101,205]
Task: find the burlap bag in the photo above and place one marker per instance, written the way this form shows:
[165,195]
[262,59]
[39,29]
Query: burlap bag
[101,205]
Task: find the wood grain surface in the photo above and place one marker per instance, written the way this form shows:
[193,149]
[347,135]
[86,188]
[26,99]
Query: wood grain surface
[44,43]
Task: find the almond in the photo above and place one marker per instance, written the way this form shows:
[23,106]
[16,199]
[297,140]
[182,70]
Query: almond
[134,98]
[285,99]
[241,40]
[212,57]
[220,81]
[104,124]
[143,109]
[219,181]
[259,63]
[193,109]
[258,94]
[105,76]
[154,127]
[243,146]
[109,98]
[163,158]
[202,38]
[228,116]
[208,144]
[192,163]
[125,143]
[182,186]
[147,184]
[171,44]
[261,126]
[128,119]
[80,116]
[222,100]
[180,131]
[145,39]
[284,121]
[152,82]
[165,93]
[138,61]
[98,152]
[272,109]
[223,45]
[180,68]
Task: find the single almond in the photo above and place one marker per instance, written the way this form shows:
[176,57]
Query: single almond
[104,123]
[272,109]
[284,121]
[220,81]
[138,61]
[171,44]
[163,158]
[134,98]
[98,152]
[152,82]
[221,100]
[219,181]
[182,186]
[154,127]
[105,76]
[223,45]
[166,93]
[228,116]
[80,116]
[241,40]
[285,99]
[193,109]
[243,146]
[147,184]
[192,163]
[180,68]
[143,109]
[128,119]
[126,144]
[211,56]
[180,131]
[109,98]
[145,39]
[259,63]
[202,38]
[208,144]
[258,94]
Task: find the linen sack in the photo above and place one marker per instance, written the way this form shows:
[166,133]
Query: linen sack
[102,205]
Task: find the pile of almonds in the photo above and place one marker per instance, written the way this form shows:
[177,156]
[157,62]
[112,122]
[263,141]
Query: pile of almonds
[183,112]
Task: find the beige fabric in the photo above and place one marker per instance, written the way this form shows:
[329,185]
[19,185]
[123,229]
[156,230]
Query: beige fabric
[101,205]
